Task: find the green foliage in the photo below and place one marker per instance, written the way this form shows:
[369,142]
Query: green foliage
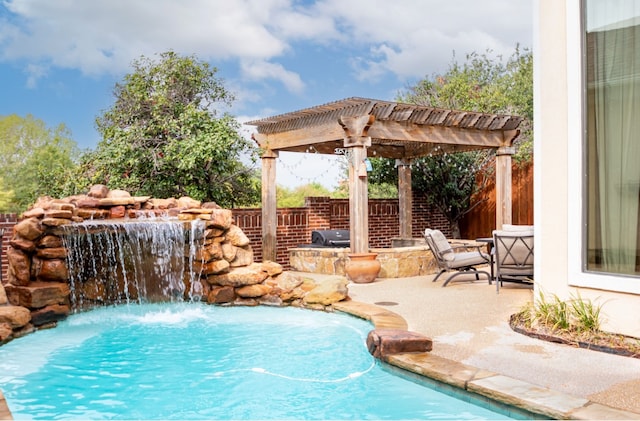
[294,198]
[586,314]
[34,161]
[484,84]
[163,137]
[576,315]
[6,197]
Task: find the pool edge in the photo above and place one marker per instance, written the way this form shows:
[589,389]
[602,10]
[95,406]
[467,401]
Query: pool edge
[494,386]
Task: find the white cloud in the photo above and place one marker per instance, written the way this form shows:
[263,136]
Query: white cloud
[403,38]
[259,70]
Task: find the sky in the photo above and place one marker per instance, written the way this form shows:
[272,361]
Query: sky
[60,59]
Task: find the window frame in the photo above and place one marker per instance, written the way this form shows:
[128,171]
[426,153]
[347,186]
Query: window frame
[576,176]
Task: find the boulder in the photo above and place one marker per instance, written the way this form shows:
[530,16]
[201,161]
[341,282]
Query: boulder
[328,291]
[34,213]
[22,244]
[5,333]
[272,268]
[221,295]
[117,212]
[52,253]
[236,236]
[59,213]
[52,241]
[14,316]
[117,193]
[38,294]
[3,295]
[239,276]
[29,228]
[384,342]
[212,268]
[284,282]
[244,257]
[52,270]
[188,203]
[164,203]
[229,251]
[253,291]
[99,191]
[89,202]
[220,218]
[55,222]
[108,202]
[19,266]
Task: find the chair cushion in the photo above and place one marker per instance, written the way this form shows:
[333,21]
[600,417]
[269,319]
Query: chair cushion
[441,243]
[468,258]
[527,229]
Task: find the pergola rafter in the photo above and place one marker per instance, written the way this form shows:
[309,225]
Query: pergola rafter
[363,127]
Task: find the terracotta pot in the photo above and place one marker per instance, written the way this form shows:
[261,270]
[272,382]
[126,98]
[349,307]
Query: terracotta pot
[362,268]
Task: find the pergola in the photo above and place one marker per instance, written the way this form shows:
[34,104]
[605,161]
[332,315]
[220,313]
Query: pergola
[362,127]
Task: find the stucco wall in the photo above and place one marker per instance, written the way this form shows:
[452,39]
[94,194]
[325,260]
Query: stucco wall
[557,137]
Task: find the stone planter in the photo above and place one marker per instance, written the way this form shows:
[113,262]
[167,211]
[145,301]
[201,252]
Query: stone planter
[362,268]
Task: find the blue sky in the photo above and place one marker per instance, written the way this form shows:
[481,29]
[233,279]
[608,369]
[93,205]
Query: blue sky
[59,59]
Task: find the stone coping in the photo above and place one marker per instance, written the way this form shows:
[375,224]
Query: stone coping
[485,384]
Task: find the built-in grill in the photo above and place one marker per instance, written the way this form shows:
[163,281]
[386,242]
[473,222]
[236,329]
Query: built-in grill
[330,238]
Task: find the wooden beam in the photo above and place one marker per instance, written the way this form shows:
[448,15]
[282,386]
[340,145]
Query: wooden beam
[269,206]
[358,200]
[327,132]
[405,200]
[503,186]
[411,132]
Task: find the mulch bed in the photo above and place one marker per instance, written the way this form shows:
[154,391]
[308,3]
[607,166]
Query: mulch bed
[603,342]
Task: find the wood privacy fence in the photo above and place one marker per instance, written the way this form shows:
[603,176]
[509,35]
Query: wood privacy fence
[481,221]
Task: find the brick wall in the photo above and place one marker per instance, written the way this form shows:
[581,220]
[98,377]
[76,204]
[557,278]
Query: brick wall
[7,221]
[319,213]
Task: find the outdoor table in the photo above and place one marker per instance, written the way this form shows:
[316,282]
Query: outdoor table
[489,241]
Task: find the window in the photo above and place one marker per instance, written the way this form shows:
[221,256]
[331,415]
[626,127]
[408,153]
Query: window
[612,49]
[612,110]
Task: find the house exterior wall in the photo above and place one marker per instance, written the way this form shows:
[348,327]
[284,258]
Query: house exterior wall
[557,174]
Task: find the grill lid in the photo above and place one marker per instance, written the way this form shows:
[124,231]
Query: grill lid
[330,238]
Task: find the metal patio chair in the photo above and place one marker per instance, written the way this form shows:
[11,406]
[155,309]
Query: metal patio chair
[449,259]
[513,256]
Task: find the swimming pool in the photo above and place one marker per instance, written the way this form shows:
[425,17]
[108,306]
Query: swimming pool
[195,361]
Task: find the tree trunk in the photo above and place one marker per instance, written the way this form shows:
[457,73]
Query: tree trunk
[455,229]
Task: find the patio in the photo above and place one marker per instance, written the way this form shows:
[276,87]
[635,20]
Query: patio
[468,323]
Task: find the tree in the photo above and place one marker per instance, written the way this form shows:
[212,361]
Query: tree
[34,161]
[164,137]
[449,181]
[294,198]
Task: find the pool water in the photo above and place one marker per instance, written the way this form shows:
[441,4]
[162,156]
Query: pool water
[194,361]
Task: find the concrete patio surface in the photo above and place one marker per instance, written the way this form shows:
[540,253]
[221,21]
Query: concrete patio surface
[468,323]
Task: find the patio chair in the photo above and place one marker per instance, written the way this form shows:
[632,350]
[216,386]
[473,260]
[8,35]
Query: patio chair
[449,259]
[513,250]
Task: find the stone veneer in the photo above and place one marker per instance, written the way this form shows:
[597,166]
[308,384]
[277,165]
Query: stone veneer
[397,262]
[37,291]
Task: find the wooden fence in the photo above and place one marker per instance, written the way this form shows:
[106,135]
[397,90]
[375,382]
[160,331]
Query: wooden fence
[481,221]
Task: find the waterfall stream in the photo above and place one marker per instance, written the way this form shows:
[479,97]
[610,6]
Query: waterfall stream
[139,260]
